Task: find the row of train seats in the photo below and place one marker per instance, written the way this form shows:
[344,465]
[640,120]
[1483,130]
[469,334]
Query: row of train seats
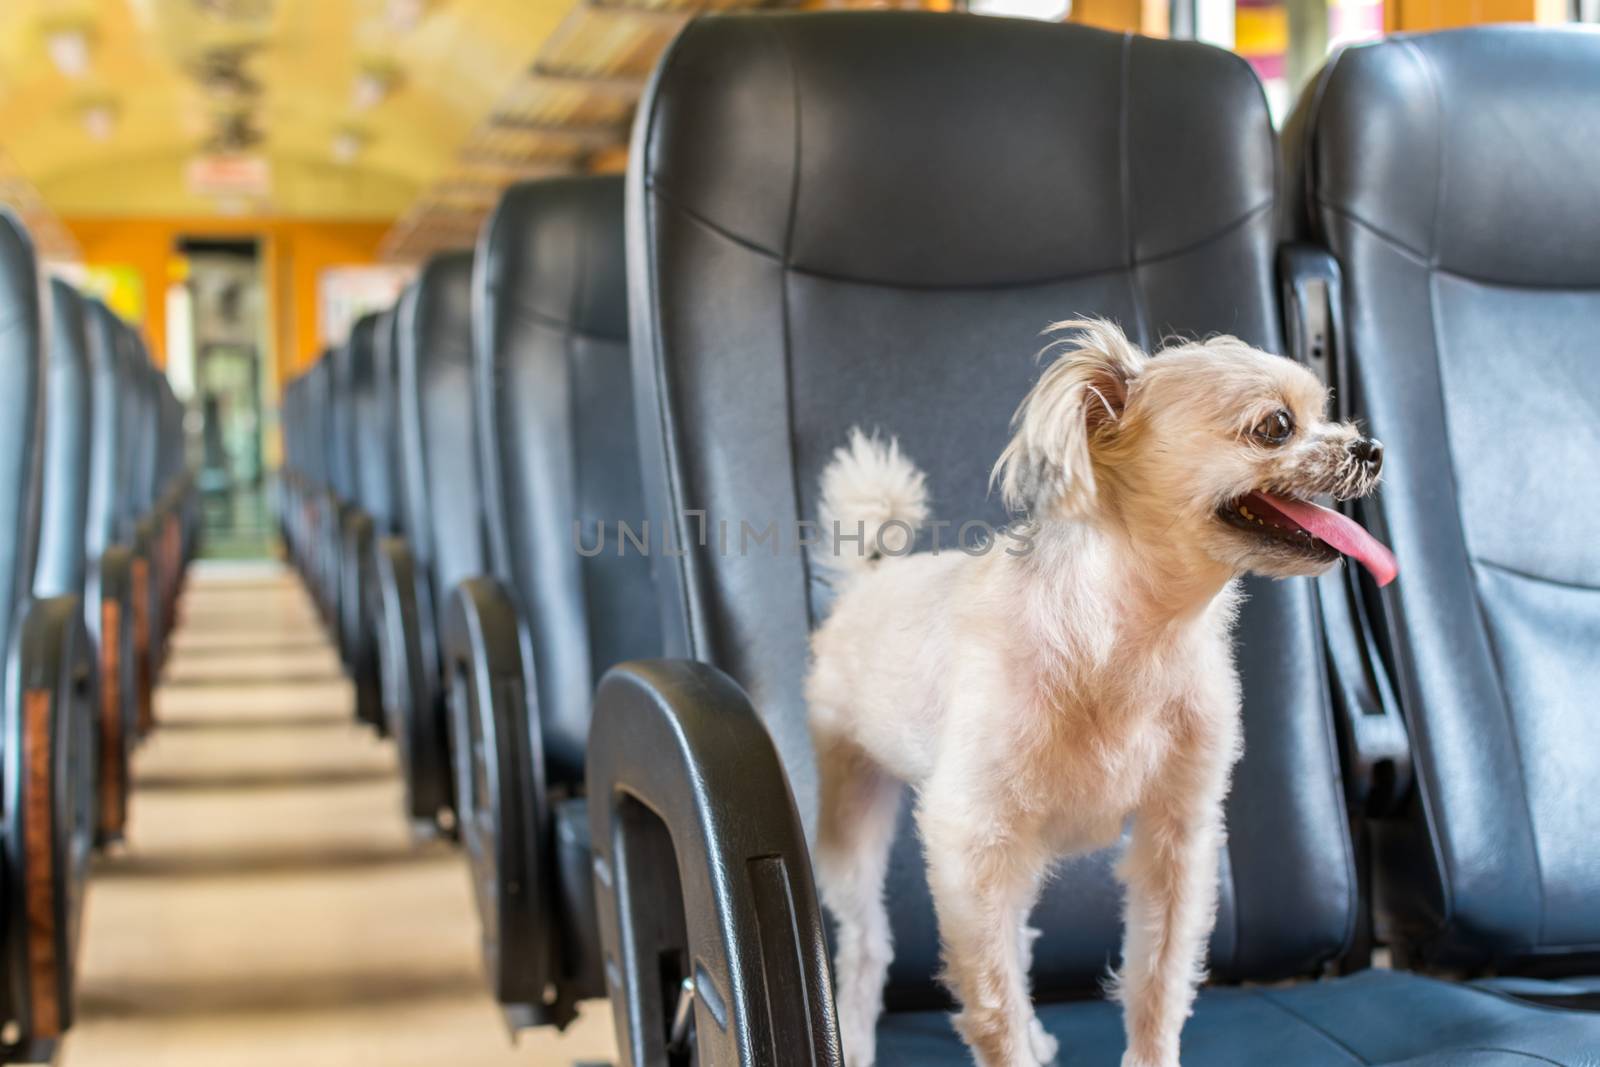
[98,519]
[865,219]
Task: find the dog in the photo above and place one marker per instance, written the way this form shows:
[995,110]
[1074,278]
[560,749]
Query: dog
[1035,700]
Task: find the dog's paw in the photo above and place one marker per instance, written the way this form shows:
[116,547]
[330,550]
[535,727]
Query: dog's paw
[1130,1060]
[1044,1046]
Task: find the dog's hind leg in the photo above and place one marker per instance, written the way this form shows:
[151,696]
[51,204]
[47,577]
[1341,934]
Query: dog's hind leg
[859,808]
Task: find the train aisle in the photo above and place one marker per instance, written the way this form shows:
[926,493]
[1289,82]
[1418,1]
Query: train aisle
[269,907]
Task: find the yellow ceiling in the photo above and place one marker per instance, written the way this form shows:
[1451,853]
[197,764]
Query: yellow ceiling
[450,66]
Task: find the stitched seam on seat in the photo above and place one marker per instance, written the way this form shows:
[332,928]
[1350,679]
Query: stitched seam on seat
[1530,576]
[1266,997]
[1227,229]
[687,611]
[1533,1056]
[788,332]
[1125,180]
[1428,72]
[1422,261]
[1477,602]
[1353,898]
[533,315]
[1537,287]
[1416,256]
[575,563]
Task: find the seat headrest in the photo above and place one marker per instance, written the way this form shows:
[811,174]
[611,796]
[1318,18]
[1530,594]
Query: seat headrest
[741,100]
[1472,150]
[22,356]
[441,310]
[555,252]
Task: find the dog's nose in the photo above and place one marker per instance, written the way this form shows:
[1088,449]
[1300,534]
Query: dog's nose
[1368,451]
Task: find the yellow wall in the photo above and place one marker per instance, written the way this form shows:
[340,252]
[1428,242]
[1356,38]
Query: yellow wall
[1418,15]
[294,254]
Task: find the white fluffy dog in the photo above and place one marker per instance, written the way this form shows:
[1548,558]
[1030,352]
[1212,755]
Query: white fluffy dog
[1037,696]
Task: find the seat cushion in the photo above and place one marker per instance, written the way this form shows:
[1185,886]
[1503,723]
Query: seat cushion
[580,930]
[1373,1018]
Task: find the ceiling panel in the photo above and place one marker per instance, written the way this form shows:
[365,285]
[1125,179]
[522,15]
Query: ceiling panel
[166,80]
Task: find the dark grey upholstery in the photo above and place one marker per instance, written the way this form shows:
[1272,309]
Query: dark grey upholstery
[1456,177]
[316,429]
[68,427]
[341,416]
[848,219]
[22,384]
[416,519]
[436,370]
[369,474]
[108,416]
[131,484]
[379,430]
[146,471]
[558,449]
[776,312]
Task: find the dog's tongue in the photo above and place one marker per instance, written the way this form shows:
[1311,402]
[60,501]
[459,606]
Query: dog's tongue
[1346,535]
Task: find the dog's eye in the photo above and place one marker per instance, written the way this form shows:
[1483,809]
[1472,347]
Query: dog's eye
[1276,428]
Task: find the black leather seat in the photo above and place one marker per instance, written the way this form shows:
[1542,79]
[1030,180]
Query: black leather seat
[866,219]
[559,459]
[109,591]
[341,361]
[368,485]
[47,686]
[443,523]
[377,428]
[326,497]
[132,493]
[68,426]
[408,659]
[72,524]
[1452,177]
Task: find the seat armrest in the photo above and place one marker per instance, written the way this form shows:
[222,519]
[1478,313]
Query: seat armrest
[408,673]
[702,874]
[501,801]
[48,811]
[108,611]
[1372,731]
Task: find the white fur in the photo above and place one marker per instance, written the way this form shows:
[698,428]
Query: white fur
[869,486]
[1035,702]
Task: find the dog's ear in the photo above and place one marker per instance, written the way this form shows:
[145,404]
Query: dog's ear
[1078,400]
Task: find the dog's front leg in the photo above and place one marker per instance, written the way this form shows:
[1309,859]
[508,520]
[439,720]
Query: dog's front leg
[983,887]
[1171,873]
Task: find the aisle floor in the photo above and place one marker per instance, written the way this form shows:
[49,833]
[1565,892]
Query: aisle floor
[269,906]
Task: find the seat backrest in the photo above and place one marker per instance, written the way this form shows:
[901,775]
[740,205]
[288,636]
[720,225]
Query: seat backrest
[22,396]
[294,417]
[342,420]
[866,219]
[436,375]
[559,454]
[367,423]
[1455,177]
[172,457]
[64,518]
[108,421]
[149,468]
[135,430]
[324,426]
[387,491]
[416,522]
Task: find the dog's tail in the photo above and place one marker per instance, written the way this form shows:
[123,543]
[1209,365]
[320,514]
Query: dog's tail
[874,500]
